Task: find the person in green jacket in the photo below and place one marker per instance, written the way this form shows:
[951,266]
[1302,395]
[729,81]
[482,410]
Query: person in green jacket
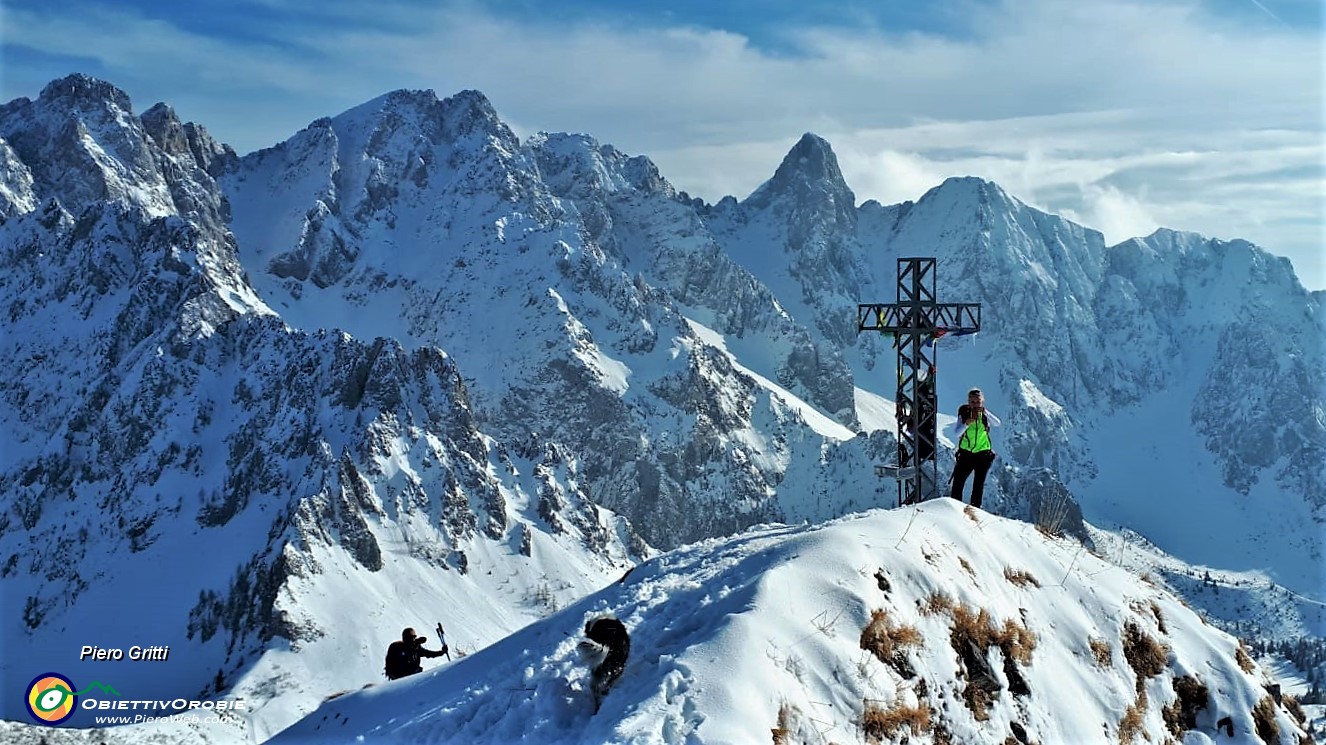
[975,452]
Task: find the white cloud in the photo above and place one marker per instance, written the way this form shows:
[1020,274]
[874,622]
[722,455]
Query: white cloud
[1118,215]
[1121,111]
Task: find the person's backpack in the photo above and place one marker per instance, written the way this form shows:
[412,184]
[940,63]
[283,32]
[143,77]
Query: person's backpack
[398,661]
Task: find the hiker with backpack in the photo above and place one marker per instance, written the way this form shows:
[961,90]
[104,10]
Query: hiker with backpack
[403,655]
[607,648]
[975,452]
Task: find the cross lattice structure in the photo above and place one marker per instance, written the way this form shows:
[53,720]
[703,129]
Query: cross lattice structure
[916,320]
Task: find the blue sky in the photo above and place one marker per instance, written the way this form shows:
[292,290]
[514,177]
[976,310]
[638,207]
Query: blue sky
[1125,115]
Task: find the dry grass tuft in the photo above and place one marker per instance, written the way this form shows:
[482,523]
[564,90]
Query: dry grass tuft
[974,632]
[966,567]
[1263,716]
[882,724]
[1100,649]
[937,602]
[1020,578]
[1295,708]
[1192,696]
[1242,657]
[975,626]
[1145,655]
[887,642]
[970,512]
[1016,641]
[1131,724]
[1051,515]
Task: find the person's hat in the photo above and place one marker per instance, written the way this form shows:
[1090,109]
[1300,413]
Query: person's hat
[975,392]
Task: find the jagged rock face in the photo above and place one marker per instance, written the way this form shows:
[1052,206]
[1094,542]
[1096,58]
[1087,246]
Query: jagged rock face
[811,217]
[1259,350]
[160,412]
[16,195]
[628,208]
[579,259]
[1076,331]
[1034,274]
[1039,433]
[81,140]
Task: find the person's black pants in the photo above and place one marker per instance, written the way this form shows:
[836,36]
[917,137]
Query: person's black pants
[970,463]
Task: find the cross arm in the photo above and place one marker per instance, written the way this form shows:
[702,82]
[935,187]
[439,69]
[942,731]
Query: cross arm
[918,317]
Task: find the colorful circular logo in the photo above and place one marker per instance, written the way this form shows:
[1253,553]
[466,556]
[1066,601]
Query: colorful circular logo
[51,698]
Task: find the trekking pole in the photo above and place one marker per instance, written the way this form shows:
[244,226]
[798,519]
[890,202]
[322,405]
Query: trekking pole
[442,637]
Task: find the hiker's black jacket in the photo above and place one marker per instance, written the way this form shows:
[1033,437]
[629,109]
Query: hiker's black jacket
[403,658]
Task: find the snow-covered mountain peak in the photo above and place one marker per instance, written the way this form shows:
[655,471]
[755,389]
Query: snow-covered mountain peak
[470,111]
[83,145]
[992,224]
[320,206]
[797,233]
[393,118]
[810,178]
[578,165]
[983,238]
[967,187]
[83,94]
[811,158]
[1228,274]
[395,121]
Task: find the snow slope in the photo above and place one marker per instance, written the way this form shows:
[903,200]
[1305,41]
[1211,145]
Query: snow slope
[734,637]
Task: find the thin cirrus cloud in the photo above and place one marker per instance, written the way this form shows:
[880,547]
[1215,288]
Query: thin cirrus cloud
[1124,115]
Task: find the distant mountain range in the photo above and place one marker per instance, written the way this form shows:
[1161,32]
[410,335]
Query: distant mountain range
[408,359]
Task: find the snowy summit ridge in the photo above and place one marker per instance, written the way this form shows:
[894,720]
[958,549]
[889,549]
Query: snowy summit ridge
[928,624]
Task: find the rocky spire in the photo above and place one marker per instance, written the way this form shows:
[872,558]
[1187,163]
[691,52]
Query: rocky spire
[809,175]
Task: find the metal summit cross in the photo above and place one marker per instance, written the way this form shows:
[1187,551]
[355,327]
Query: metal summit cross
[915,320]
